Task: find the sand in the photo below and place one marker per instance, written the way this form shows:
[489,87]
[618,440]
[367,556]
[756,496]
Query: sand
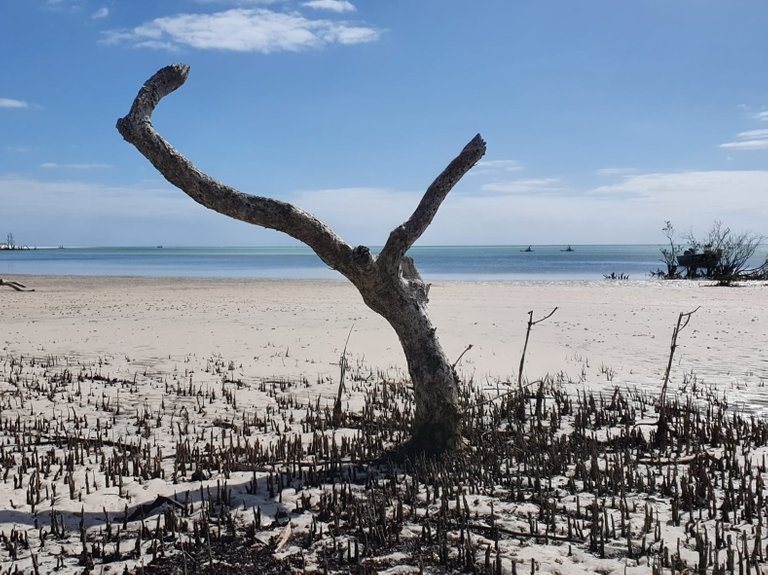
[619,330]
[107,362]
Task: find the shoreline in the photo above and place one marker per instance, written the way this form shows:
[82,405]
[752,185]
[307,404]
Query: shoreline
[435,263]
[618,330]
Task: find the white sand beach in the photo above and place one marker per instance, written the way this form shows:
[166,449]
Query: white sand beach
[295,328]
[126,368]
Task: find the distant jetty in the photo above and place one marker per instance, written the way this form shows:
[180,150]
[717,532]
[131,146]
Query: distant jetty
[9,247]
[10,244]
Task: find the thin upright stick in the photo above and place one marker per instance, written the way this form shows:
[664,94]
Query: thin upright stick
[682,322]
[342,371]
[455,363]
[531,323]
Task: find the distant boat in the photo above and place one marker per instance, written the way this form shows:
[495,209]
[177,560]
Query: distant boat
[528,249]
[568,249]
[159,247]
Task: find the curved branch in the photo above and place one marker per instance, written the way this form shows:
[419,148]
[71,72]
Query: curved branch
[404,236]
[136,128]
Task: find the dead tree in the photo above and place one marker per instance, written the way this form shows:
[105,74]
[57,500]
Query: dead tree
[388,283]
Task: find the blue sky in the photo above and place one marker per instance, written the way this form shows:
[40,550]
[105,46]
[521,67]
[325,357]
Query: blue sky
[602,118]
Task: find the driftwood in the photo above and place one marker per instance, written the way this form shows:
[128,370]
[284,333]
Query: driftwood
[388,283]
[146,509]
[15,285]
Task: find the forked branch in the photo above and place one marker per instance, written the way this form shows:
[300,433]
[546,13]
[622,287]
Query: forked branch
[531,323]
[138,130]
[405,235]
[662,426]
[390,286]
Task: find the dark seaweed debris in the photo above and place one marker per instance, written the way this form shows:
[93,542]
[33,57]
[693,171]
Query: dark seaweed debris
[543,466]
[226,556]
[585,463]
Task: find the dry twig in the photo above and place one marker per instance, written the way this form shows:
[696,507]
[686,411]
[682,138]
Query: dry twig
[662,428]
[531,323]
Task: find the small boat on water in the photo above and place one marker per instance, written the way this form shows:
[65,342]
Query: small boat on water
[528,249]
[568,249]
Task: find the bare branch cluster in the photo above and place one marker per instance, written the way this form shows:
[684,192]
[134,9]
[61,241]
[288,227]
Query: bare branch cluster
[137,129]
[722,255]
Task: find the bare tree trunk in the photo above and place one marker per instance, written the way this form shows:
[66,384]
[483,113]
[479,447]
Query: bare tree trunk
[402,301]
[389,283]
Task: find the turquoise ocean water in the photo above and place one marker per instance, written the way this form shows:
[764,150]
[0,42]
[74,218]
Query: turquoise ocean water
[585,262]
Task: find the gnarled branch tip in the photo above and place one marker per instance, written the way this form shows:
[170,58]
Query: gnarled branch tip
[157,87]
[477,145]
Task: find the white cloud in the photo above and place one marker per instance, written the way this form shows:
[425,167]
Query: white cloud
[79,212]
[747,145]
[25,197]
[238,2]
[753,134]
[692,200]
[347,35]
[360,214]
[57,166]
[629,211]
[749,140]
[17,149]
[73,212]
[11,103]
[762,116]
[101,13]
[64,5]
[331,5]
[688,193]
[525,186]
[615,171]
[243,30]
[490,166]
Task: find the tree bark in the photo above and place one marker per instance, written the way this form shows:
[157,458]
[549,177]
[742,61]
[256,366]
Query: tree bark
[389,283]
[402,300]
